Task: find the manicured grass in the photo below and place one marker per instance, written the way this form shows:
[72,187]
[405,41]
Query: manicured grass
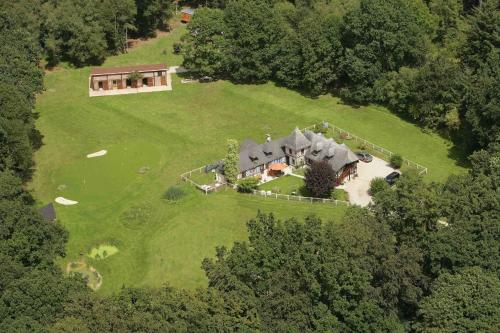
[340,194]
[170,133]
[284,185]
[203,178]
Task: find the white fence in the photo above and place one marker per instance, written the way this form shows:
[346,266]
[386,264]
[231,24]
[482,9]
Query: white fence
[290,197]
[334,129]
[186,176]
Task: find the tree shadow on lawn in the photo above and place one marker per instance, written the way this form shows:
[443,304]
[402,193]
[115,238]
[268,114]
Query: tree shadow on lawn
[461,146]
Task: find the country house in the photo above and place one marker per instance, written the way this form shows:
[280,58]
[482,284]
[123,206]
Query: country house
[297,149]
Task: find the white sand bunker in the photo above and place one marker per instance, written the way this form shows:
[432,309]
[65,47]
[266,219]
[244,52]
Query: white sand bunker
[65,202]
[97,153]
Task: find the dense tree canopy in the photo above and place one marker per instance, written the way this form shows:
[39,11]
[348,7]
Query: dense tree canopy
[382,36]
[468,301]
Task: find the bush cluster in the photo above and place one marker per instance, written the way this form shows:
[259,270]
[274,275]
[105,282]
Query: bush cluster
[247,185]
[396,161]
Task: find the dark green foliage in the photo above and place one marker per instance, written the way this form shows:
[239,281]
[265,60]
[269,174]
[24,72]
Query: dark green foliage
[117,20]
[205,46]
[308,56]
[135,76]
[430,94]
[16,129]
[320,179]
[436,92]
[252,30]
[174,193]
[411,209]
[468,301]
[481,47]
[470,204]
[39,295]
[19,55]
[481,105]
[74,33]
[177,48]
[481,56]
[449,20]
[396,161]
[379,37]
[378,185]
[85,32]
[247,185]
[152,15]
[231,162]
[315,277]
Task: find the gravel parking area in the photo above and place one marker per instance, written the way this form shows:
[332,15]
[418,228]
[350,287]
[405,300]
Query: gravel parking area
[358,187]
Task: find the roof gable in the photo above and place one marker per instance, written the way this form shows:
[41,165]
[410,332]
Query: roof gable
[297,140]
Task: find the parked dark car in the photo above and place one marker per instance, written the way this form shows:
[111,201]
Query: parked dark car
[364,156]
[206,79]
[392,177]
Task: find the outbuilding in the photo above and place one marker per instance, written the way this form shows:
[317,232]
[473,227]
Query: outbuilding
[186,14]
[128,79]
[48,212]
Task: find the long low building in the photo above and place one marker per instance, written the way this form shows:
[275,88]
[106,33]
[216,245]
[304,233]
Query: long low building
[104,81]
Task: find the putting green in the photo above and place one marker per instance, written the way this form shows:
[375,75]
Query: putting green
[102,251]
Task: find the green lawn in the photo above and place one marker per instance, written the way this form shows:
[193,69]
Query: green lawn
[170,133]
[284,185]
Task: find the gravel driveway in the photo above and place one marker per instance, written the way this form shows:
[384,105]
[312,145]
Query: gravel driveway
[358,187]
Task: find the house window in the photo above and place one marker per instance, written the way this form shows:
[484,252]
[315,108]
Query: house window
[159,73]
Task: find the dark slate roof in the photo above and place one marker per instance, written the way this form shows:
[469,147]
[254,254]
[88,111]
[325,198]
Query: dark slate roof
[323,149]
[297,140]
[48,212]
[252,154]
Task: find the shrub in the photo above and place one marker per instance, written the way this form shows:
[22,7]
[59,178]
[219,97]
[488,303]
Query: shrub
[345,136]
[320,129]
[247,185]
[177,47]
[135,76]
[231,161]
[378,185]
[338,194]
[396,161]
[174,193]
[320,179]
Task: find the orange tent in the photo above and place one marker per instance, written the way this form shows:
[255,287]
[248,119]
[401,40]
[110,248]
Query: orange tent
[277,167]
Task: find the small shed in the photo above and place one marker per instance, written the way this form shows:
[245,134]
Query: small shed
[48,212]
[186,14]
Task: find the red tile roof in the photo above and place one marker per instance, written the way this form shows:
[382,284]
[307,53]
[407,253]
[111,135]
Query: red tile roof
[128,69]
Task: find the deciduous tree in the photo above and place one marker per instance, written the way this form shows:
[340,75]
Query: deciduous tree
[320,179]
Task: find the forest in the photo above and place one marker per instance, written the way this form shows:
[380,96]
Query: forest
[425,257]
